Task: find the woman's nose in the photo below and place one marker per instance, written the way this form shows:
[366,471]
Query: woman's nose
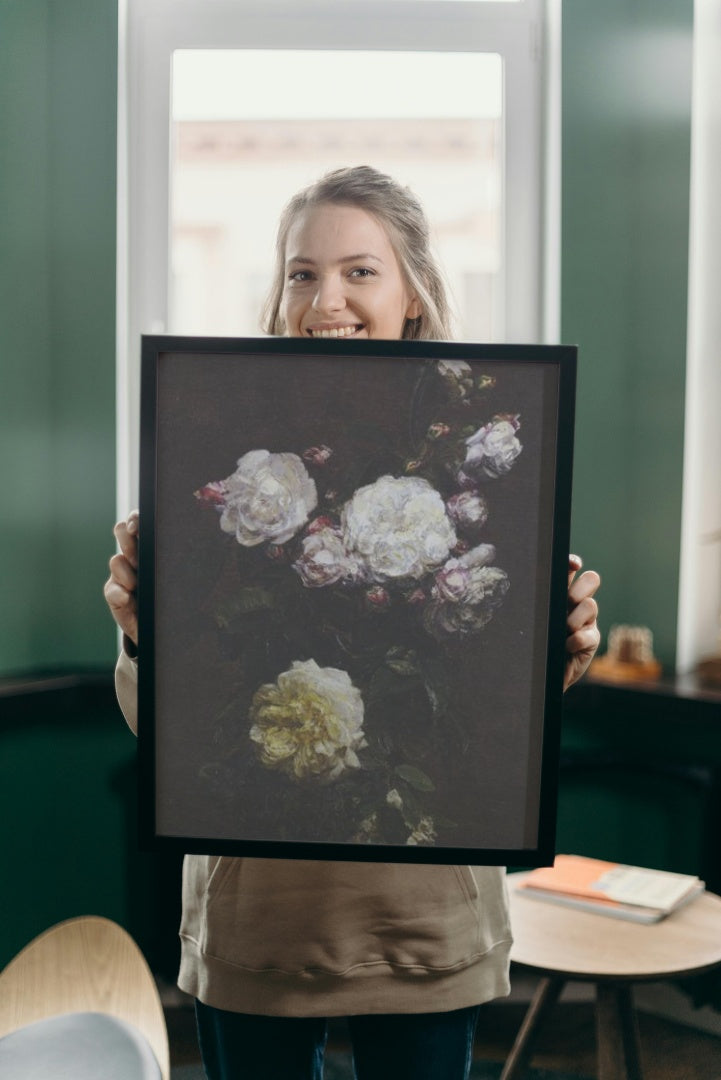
[329,296]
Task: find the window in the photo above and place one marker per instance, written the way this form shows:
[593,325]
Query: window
[236,161]
[227,105]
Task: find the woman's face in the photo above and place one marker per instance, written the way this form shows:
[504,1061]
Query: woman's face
[342,277]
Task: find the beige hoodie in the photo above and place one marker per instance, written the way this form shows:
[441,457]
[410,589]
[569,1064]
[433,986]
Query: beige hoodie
[284,937]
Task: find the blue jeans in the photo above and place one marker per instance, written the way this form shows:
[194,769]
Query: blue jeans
[414,1046]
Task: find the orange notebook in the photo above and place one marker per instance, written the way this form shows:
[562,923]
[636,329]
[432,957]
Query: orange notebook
[632,892]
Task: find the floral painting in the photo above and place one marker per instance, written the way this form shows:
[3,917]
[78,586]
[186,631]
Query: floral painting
[351,583]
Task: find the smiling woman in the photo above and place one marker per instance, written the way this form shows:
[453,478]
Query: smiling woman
[330,292]
[353,259]
[335,688]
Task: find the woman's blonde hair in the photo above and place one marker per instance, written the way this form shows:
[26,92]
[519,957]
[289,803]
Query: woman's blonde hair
[400,212]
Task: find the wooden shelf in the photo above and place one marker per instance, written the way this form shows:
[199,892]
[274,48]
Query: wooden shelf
[682,696]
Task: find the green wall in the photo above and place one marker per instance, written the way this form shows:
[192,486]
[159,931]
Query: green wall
[66,758]
[626,145]
[58,71]
[69,806]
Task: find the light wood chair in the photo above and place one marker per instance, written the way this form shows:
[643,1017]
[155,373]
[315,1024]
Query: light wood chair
[84,965]
[563,944]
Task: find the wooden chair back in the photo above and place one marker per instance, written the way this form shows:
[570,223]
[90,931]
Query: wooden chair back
[87,964]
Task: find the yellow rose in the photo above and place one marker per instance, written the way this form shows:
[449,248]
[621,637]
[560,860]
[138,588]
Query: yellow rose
[309,723]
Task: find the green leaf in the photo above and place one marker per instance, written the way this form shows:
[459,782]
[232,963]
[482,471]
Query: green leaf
[415,777]
[384,684]
[435,685]
[242,602]
[254,598]
[402,662]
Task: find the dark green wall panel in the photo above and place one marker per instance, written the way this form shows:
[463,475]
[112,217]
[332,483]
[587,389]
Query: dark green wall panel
[68,800]
[25,401]
[58,76]
[61,786]
[626,145]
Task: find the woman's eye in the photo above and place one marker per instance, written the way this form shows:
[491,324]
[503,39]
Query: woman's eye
[362,272]
[300,276]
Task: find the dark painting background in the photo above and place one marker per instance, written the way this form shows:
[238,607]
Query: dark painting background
[484,752]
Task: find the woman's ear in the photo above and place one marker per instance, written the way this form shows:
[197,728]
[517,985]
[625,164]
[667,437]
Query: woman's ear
[415,309]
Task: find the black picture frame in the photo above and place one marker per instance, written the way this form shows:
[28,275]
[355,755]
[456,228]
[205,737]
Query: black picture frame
[384,524]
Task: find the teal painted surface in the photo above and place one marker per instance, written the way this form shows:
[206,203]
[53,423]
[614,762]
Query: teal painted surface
[68,786]
[61,783]
[649,817]
[25,401]
[626,146]
[58,74]
[66,776]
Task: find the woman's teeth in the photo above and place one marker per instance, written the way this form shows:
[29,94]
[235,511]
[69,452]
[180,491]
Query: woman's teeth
[336,332]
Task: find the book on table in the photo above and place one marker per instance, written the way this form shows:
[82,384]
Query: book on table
[609,888]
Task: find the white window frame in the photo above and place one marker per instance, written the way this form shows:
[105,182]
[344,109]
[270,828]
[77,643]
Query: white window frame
[699,597]
[526,34]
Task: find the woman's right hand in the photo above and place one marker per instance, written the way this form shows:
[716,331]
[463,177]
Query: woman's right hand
[121,587]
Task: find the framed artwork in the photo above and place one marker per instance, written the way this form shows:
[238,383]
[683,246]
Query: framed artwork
[352,597]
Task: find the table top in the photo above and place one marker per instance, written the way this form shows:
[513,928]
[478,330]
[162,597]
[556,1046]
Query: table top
[559,940]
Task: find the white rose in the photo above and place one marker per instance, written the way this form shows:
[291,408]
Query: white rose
[268,497]
[458,376]
[465,594]
[455,369]
[462,580]
[480,555]
[451,582]
[468,509]
[488,585]
[492,449]
[325,561]
[398,527]
[444,620]
[309,723]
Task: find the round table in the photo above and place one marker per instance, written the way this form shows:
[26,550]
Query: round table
[562,944]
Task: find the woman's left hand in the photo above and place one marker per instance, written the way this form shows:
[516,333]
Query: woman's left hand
[583,636]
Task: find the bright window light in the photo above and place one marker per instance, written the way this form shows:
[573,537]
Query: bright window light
[238,154]
[225,84]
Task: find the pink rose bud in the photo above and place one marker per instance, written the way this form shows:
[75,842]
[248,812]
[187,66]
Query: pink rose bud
[213,494]
[468,509]
[417,597]
[461,548]
[378,597]
[317,455]
[438,431]
[514,419]
[320,523]
[276,552]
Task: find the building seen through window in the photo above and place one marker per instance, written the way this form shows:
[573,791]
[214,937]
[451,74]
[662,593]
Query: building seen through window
[231,175]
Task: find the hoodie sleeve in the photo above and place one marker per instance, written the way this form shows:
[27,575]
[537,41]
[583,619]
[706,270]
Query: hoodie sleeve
[126,688]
